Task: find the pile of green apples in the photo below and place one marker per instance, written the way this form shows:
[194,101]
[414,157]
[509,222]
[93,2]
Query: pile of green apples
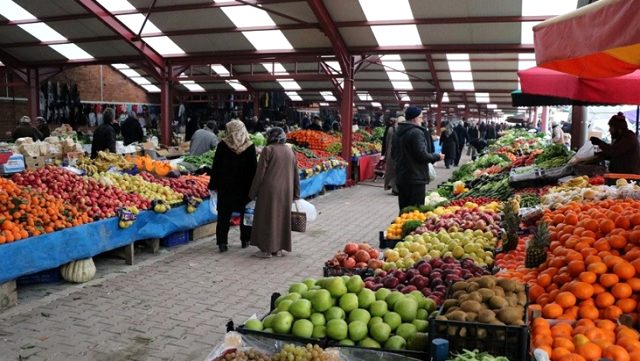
[474,244]
[343,310]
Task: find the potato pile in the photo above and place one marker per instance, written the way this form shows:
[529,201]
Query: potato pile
[486,299]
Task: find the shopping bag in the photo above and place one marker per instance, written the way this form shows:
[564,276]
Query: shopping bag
[298,220]
[585,153]
[249,211]
[432,172]
[306,207]
[213,201]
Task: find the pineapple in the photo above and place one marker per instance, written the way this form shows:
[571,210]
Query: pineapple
[510,225]
[537,246]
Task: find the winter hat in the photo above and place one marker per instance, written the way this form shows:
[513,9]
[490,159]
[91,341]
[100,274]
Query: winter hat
[412,112]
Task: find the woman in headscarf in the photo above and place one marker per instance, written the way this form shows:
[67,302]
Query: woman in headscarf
[275,186]
[232,171]
[449,143]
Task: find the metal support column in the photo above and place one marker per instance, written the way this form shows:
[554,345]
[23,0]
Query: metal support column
[578,126]
[544,119]
[34,93]
[346,113]
[166,113]
[256,104]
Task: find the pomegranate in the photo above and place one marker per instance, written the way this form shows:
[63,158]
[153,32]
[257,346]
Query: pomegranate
[351,249]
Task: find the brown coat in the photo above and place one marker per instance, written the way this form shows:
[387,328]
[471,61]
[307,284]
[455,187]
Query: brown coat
[275,186]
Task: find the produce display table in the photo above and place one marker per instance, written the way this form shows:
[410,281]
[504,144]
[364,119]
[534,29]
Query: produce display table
[54,249]
[314,185]
[365,165]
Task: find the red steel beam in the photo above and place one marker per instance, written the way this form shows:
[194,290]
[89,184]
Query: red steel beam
[331,31]
[150,55]
[439,21]
[457,48]
[433,72]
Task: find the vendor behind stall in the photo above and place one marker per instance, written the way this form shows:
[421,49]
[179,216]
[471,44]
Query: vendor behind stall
[623,153]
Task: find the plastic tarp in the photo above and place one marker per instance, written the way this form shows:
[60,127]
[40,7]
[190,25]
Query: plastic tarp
[314,185]
[54,249]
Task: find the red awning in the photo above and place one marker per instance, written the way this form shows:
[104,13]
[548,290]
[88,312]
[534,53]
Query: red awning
[618,90]
[596,41]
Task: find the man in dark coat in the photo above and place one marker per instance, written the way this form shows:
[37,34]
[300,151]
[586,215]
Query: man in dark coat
[104,138]
[317,124]
[132,131]
[473,134]
[25,130]
[491,132]
[623,153]
[411,152]
[43,128]
[449,144]
[461,133]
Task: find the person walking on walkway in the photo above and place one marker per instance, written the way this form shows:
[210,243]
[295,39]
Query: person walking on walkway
[234,166]
[275,186]
[449,143]
[411,150]
[390,165]
[461,133]
[473,135]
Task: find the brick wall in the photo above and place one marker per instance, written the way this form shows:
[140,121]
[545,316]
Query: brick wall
[10,113]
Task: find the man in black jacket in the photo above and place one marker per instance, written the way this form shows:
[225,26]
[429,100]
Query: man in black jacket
[473,134]
[132,131]
[25,130]
[623,153]
[104,138]
[461,132]
[412,153]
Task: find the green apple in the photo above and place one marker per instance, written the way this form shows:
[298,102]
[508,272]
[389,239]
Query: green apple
[309,282]
[378,308]
[337,329]
[300,308]
[355,284]
[380,332]
[321,300]
[392,319]
[254,325]
[358,330]
[348,302]
[369,343]
[284,305]
[346,342]
[394,297]
[268,321]
[302,328]
[407,308]
[421,325]
[359,314]
[422,314]
[375,320]
[395,343]
[318,319]
[282,322]
[334,313]
[406,331]
[336,286]
[298,288]
[319,331]
[365,298]
[293,296]
[382,293]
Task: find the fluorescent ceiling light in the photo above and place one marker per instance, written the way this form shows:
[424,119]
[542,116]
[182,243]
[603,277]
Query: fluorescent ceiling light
[224,1]
[117,5]
[268,40]
[163,45]
[120,66]
[396,75]
[248,16]
[492,106]
[461,76]
[461,106]
[526,62]
[376,10]
[140,80]
[482,97]
[151,88]
[445,97]
[463,85]
[129,72]
[135,21]
[405,98]
[42,32]
[328,96]
[71,51]
[334,67]
[289,84]
[1,63]
[547,7]
[365,97]
[191,85]
[236,85]
[275,68]
[402,85]
[376,105]
[220,69]
[14,12]
[294,96]
[324,104]
[396,35]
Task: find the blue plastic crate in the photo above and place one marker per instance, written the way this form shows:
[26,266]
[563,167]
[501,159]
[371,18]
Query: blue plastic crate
[46,276]
[175,239]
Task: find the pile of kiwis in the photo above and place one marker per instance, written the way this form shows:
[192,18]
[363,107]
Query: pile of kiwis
[485,300]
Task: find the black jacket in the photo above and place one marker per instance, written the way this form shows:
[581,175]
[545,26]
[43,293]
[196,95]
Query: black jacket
[232,175]
[492,133]
[104,138]
[44,130]
[27,131]
[461,133]
[315,126]
[411,151]
[131,131]
[473,133]
[449,143]
[623,154]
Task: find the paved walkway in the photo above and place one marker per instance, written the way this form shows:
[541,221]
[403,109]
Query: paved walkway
[174,306]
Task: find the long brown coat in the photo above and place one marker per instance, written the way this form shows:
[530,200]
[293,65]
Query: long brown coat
[275,186]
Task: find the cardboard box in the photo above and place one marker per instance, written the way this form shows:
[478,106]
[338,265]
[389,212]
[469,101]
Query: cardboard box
[11,163]
[34,162]
[73,157]
[171,152]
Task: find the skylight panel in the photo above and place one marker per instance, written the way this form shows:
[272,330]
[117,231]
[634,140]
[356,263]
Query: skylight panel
[140,80]
[268,40]
[526,62]
[163,45]
[151,88]
[42,32]
[402,85]
[463,85]
[289,84]
[71,51]
[116,5]
[396,75]
[492,106]
[376,104]
[14,12]
[461,106]
[460,70]
[275,68]
[235,84]
[120,66]
[328,96]
[405,98]
[445,97]
[375,10]
[365,97]
[129,72]
[526,31]
[334,67]
[248,16]
[482,97]
[191,85]
[324,104]
[294,96]
[547,7]
[135,21]
[461,76]
[396,35]
[220,70]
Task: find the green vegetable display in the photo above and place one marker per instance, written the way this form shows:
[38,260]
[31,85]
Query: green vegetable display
[528,200]
[258,139]
[476,355]
[205,159]
[552,151]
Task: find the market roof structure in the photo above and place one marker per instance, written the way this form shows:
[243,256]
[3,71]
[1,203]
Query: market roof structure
[417,51]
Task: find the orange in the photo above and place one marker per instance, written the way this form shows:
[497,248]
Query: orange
[606,325]
[597,268]
[565,299]
[558,353]
[606,226]
[575,268]
[624,270]
[564,343]
[582,290]
[553,310]
[589,312]
[616,353]
[590,351]
[605,300]
[612,313]
[561,330]
[634,283]
[627,305]
[621,290]
[587,277]
[609,279]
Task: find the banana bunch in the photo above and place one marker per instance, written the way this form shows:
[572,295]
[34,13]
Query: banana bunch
[85,164]
[577,182]
[106,160]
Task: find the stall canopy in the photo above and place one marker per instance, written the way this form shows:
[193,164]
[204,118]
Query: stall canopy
[596,41]
[545,82]
[520,99]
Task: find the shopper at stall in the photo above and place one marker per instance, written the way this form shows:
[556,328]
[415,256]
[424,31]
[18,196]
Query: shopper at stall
[25,130]
[232,171]
[104,137]
[623,153]
[43,128]
[204,139]
[132,131]
[411,152]
[492,133]
[449,144]
[557,135]
[317,124]
[473,135]
[390,165]
[275,186]
[191,128]
[461,134]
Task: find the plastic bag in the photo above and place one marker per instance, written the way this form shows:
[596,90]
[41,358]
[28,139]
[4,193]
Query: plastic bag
[432,172]
[213,201]
[249,210]
[586,152]
[306,207]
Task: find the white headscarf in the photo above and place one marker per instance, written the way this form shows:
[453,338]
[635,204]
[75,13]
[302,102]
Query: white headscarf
[237,137]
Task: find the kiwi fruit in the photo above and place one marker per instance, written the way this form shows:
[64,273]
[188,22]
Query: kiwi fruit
[449,303]
[499,291]
[487,282]
[522,298]
[497,302]
[471,306]
[473,287]
[457,315]
[486,293]
[486,316]
[507,285]
[459,286]
[510,315]
[458,293]
[475,296]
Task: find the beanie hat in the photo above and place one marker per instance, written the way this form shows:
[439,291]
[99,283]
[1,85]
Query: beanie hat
[618,121]
[412,112]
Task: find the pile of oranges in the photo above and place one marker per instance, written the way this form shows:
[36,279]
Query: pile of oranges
[313,139]
[25,213]
[394,231]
